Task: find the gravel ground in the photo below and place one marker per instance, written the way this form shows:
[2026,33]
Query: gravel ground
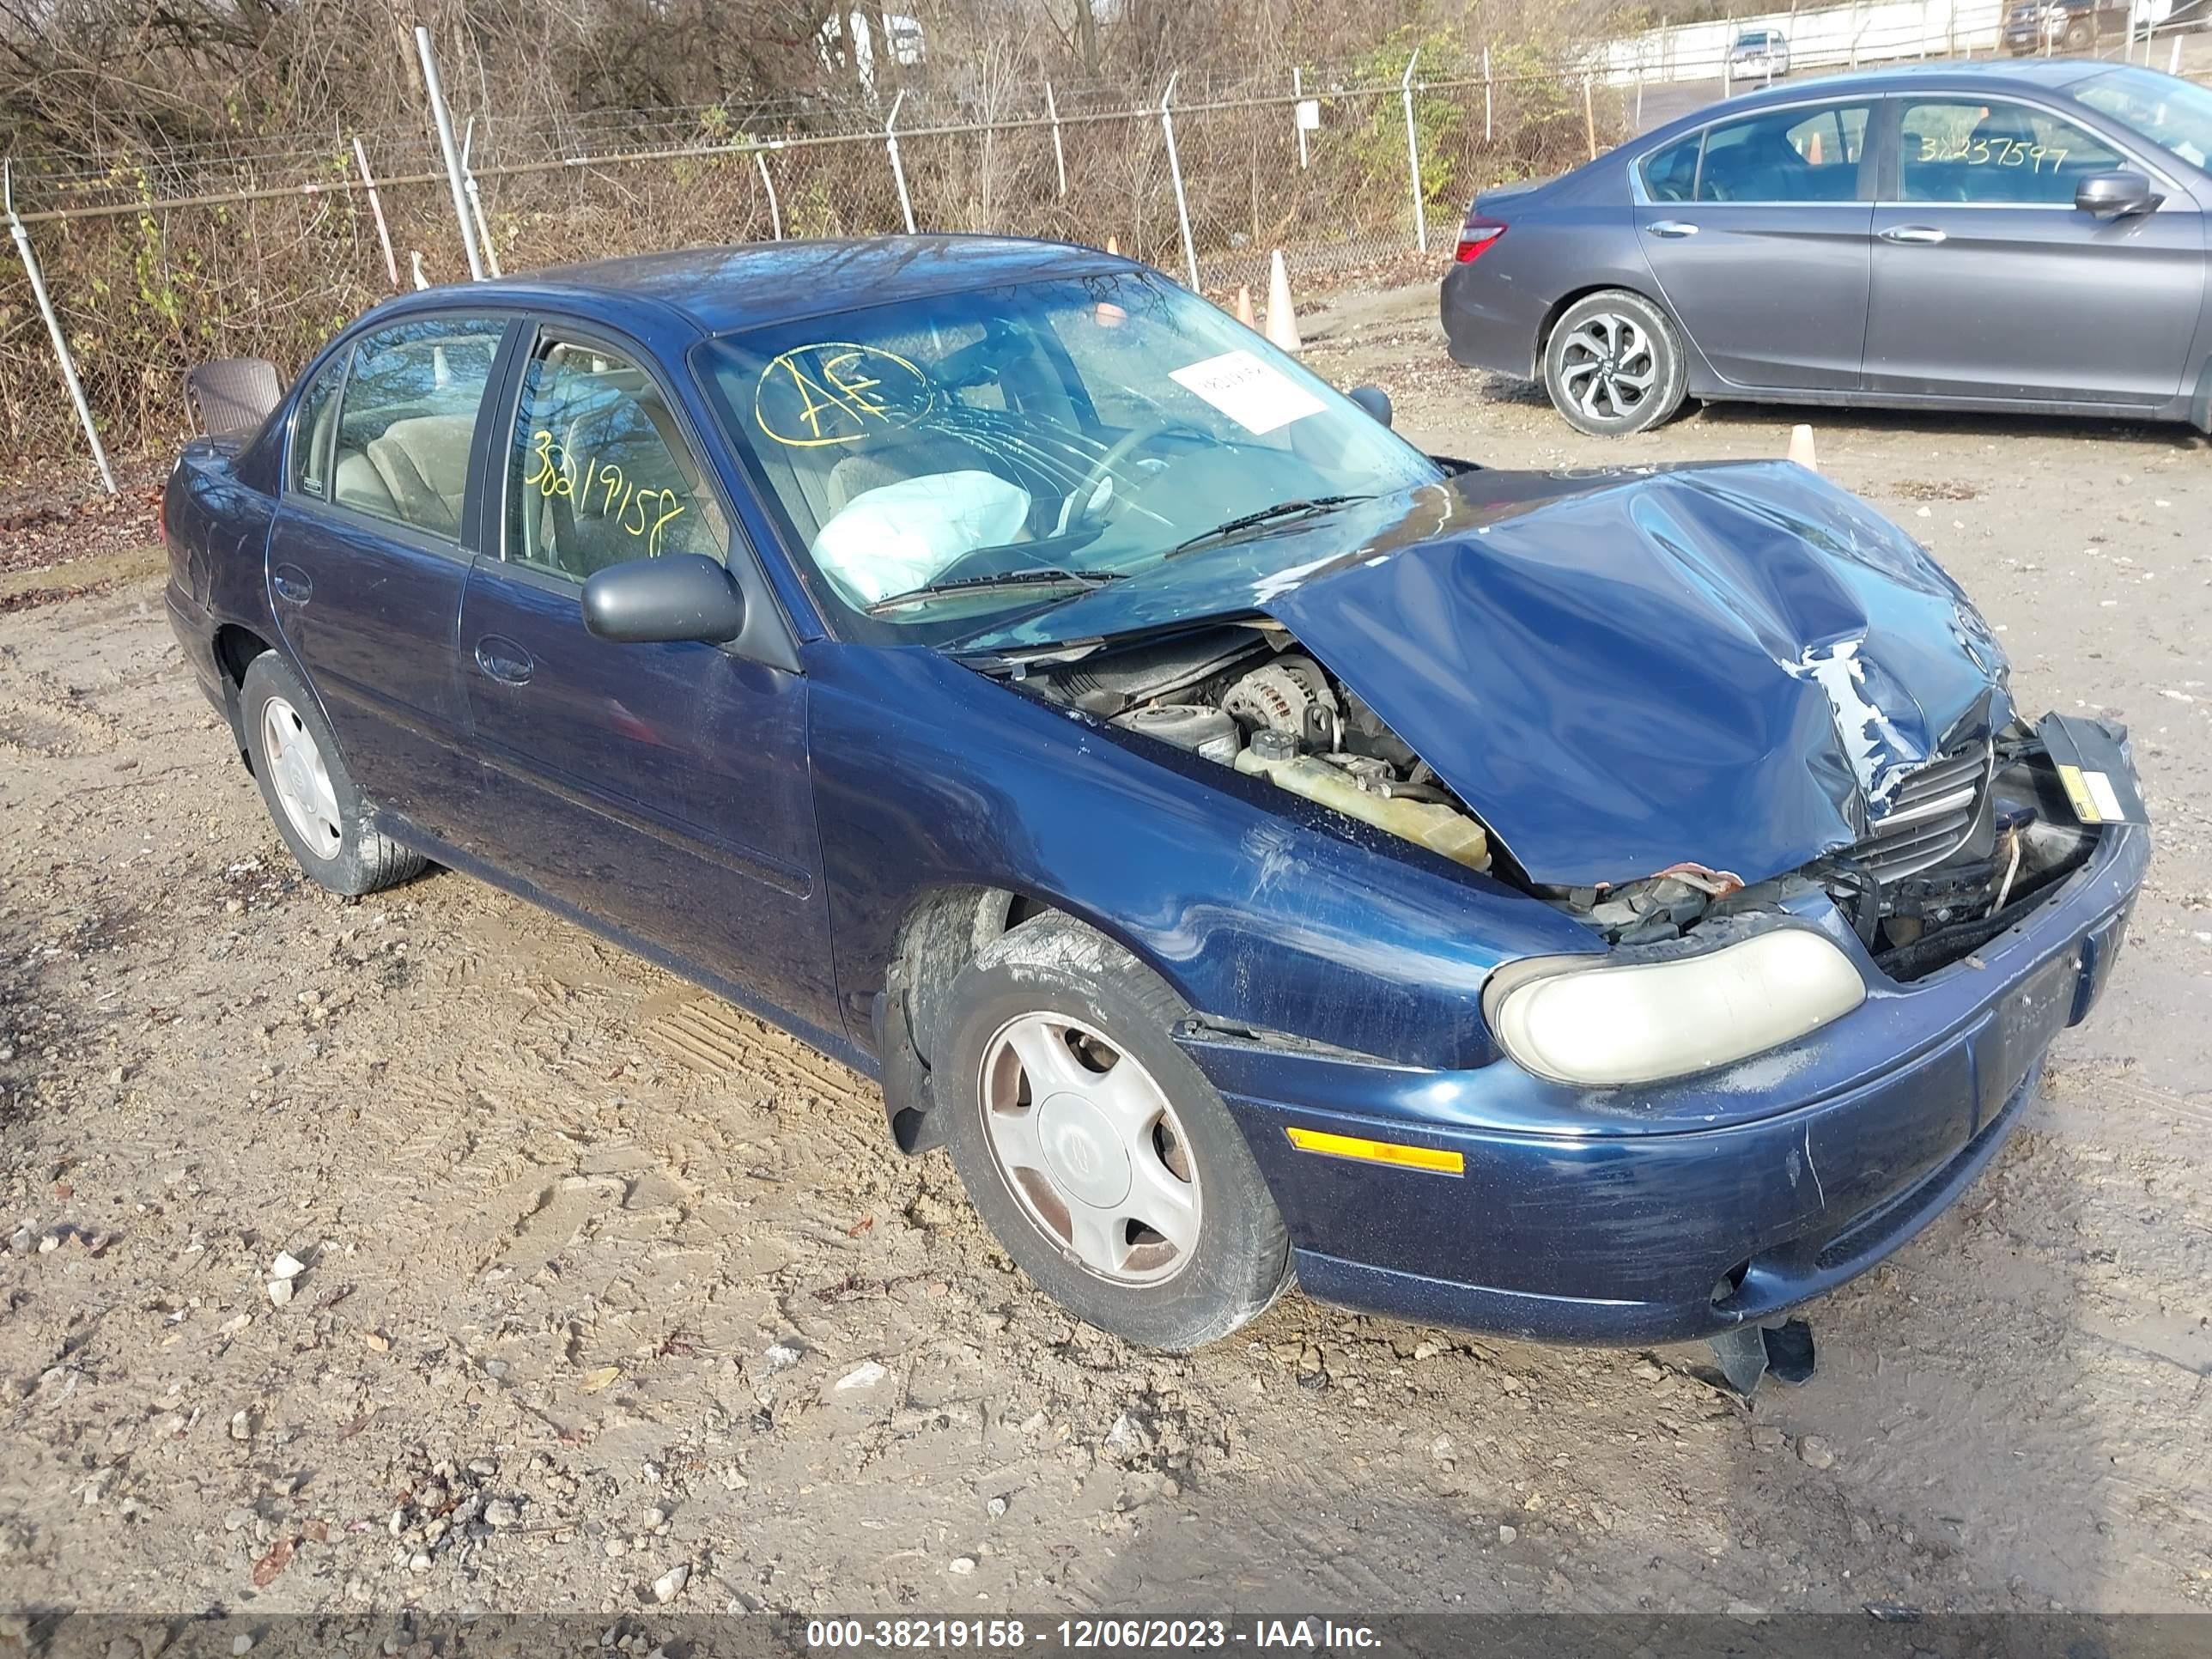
[425,1250]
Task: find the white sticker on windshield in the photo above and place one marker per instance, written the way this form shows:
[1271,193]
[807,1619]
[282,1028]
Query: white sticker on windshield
[1257,396]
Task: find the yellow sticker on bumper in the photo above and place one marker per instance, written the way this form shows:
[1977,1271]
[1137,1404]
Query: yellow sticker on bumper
[1377,1151]
[2077,794]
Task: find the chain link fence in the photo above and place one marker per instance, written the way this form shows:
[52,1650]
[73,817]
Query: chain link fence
[154,260]
[157,259]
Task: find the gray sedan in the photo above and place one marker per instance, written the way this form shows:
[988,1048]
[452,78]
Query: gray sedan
[2014,236]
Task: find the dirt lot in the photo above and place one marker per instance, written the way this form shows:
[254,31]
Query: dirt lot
[603,1280]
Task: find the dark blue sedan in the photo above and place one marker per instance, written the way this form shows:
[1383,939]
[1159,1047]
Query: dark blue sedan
[1606,907]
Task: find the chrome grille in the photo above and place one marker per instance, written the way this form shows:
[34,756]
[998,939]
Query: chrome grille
[1931,813]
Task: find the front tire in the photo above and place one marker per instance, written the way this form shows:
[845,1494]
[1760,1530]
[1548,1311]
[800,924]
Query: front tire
[310,797]
[1613,364]
[1095,1150]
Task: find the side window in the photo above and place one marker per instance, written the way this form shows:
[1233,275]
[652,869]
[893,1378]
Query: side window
[409,416]
[599,472]
[1671,174]
[311,432]
[1962,149]
[1784,155]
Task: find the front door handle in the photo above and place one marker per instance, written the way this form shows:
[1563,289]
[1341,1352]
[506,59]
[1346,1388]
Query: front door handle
[1922,235]
[290,584]
[504,661]
[1671,227]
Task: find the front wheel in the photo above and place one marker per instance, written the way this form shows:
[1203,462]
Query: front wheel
[1613,364]
[1094,1148]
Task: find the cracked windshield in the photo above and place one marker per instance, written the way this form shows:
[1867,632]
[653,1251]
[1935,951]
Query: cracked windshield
[956,464]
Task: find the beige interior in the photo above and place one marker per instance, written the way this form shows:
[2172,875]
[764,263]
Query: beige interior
[424,465]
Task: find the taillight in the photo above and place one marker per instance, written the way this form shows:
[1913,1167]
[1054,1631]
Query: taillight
[1476,238]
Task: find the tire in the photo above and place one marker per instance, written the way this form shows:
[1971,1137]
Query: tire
[310,796]
[1080,1008]
[1601,349]
[2080,36]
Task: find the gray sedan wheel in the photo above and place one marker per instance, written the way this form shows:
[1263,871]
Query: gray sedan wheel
[1613,364]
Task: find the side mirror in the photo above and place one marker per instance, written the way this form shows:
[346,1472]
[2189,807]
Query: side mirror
[679,596]
[2114,195]
[1373,400]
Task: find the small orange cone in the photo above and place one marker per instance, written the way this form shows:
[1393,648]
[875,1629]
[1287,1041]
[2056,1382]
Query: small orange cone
[1282,316]
[1113,245]
[1812,150]
[1244,305]
[1801,448]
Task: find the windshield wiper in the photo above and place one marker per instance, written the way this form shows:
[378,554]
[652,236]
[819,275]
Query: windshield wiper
[1086,580]
[1279,511]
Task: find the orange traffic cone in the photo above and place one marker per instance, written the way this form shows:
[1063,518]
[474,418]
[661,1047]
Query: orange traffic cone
[1282,315]
[1801,448]
[1812,150]
[1244,305]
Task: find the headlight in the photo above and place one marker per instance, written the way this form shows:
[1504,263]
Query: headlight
[1621,1023]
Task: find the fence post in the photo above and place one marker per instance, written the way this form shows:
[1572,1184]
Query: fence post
[2173,63]
[376,212]
[476,198]
[1059,155]
[1413,155]
[1589,117]
[53,325]
[444,123]
[898,168]
[1297,97]
[1485,95]
[775,211]
[1174,172]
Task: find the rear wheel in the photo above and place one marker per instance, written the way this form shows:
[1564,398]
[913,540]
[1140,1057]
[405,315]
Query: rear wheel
[1093,1147]
[1613,364]
[310,796]
[2081,35]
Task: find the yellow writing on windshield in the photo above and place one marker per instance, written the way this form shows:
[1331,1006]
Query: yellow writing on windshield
[838,393]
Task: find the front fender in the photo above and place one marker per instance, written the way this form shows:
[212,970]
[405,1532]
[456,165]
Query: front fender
[1262,911]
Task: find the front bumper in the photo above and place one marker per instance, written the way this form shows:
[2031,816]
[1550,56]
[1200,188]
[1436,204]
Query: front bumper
[1581,1218]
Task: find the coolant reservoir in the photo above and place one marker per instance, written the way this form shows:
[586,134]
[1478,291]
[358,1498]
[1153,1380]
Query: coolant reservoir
[1428,824]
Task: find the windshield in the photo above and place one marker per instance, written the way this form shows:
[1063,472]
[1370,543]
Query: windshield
[1753,37]
[950,463]
[2174,114]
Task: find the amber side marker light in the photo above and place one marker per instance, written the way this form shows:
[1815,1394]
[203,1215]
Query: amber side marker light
[1377,1151]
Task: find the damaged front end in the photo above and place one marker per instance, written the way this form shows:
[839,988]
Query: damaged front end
[1968,845]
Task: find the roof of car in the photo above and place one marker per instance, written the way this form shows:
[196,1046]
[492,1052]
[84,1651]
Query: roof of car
[2050,74]
[720,288]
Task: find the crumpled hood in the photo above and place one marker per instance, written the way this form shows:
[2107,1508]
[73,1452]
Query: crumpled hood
[1733,664]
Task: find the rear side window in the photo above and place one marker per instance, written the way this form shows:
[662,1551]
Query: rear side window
[1671,174]
[407,417]
[1958,149]
[599,472]
[1792,155]
[311,432]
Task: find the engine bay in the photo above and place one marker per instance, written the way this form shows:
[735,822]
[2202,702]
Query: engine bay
[1248,696]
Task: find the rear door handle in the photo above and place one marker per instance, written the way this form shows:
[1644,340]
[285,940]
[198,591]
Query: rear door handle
[504,661]
[290,584]
[1671,227]
[1925,235]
